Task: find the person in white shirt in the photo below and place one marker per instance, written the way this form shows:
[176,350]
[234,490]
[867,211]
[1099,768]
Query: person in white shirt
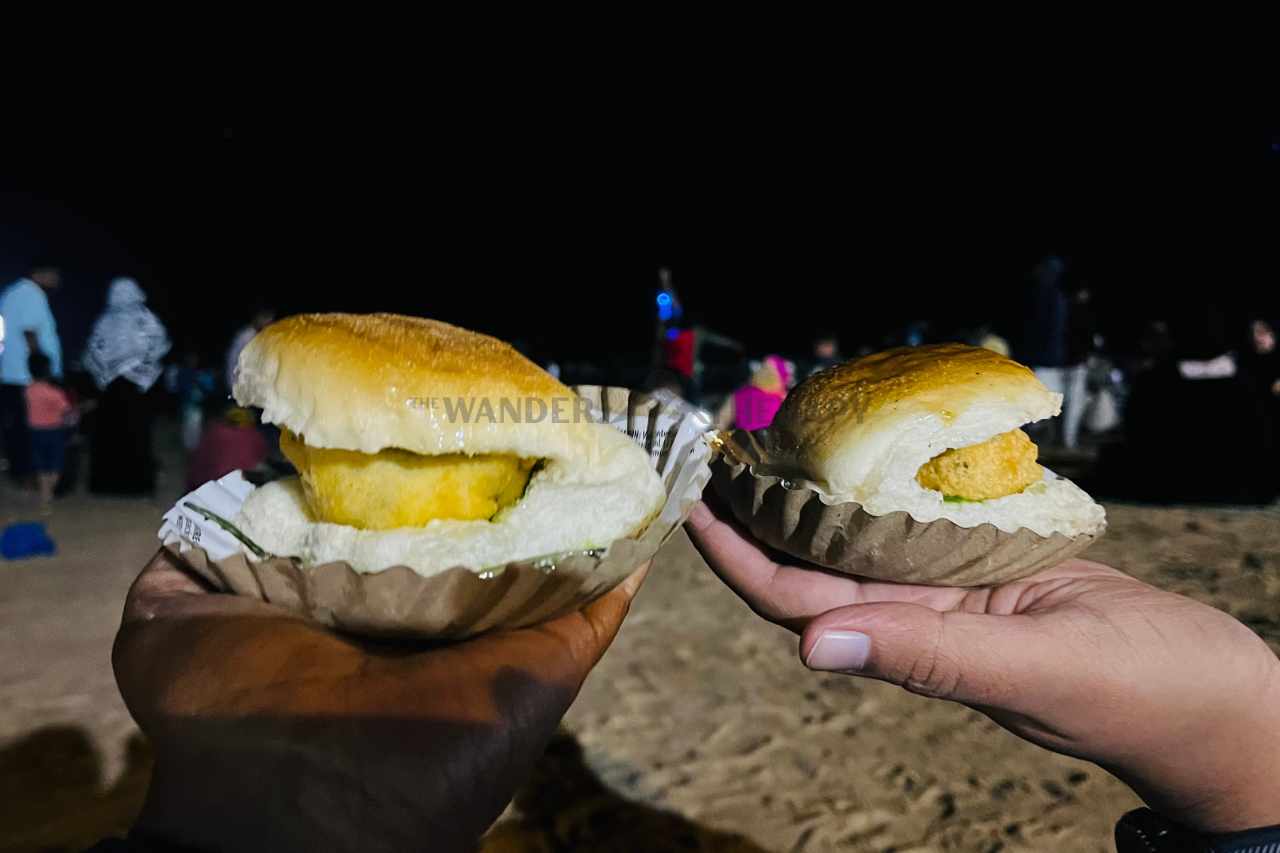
[27,325]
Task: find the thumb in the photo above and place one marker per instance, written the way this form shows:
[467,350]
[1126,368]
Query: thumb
[604,618]
[973,658]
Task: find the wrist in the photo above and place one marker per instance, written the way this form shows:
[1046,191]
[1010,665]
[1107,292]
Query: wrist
[1250,802]
[1225,777]
[1254,798]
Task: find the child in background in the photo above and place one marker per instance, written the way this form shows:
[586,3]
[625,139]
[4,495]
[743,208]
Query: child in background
[49,412]
[231,440]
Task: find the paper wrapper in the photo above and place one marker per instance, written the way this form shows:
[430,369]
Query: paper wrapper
[790,515]
[458,602]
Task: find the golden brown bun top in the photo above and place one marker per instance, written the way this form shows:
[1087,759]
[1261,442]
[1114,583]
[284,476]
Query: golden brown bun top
[839,425]
[382,348]
[369,382]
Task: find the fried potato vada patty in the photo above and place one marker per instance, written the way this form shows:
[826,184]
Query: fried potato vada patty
[396,488]
[1004,465]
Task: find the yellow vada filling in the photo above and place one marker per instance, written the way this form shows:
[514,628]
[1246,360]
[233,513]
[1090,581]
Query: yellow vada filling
[398,488]
[1004,465]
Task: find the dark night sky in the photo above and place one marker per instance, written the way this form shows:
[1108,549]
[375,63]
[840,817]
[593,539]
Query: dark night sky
[768,238]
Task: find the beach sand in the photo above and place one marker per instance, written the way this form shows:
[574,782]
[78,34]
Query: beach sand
[700,730]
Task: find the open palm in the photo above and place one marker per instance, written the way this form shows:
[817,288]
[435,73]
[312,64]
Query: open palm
[1175,697]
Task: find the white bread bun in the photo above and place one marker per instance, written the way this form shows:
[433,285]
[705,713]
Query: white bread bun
[371,383]
[860,431]
[368,382]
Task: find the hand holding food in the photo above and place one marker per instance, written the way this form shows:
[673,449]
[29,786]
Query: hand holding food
[445,485]
[910,465]
[1176,698]
[272,733]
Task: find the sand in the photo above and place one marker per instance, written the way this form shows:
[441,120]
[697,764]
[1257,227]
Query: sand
[699,730]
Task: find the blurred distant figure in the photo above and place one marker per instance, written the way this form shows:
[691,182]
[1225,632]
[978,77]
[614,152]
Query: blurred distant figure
[123,356]
[1107,389]
[231,441]
[666,379]
[1044,341]
[27,327]
[1195,428]
[1082,325]
[1045,345]
[262,318]
[685,351]
[1155,346]
[1261,358]
[826,352]
[916,333]
[988,340]
[191,385]
[753,405]
[679,349]
[1260,362]
[986,337]
[49,414]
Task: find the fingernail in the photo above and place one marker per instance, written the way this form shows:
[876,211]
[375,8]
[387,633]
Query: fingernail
[700,516]
[839,651]
[633,581]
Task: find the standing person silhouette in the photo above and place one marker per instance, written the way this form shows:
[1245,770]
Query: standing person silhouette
[123,357]
[28,327]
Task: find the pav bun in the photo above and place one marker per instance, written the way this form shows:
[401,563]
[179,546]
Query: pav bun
[425,445]
[861,431]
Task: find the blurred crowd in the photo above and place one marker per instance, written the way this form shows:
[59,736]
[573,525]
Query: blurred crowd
[1191,413]
[1188,412]
[93,420]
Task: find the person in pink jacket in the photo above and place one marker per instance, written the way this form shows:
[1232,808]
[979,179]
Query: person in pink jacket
[753,405]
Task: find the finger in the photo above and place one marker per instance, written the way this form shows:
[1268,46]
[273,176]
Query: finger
[635,580]
[561,651]
[974,658]
[164,574]
[793,594]
[166,587]
[604,616]
[776,592]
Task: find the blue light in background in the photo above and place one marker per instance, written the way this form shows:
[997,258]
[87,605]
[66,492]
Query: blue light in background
[664,298]
[672,334]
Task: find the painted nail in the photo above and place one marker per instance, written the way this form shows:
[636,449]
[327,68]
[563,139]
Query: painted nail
[839,651]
